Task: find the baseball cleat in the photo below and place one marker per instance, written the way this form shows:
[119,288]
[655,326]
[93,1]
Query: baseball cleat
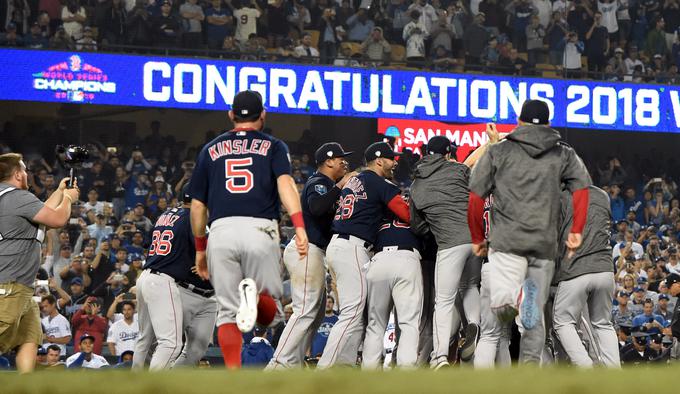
[441,364]
[247,310]
[528,305]
[471,338]
[506,314]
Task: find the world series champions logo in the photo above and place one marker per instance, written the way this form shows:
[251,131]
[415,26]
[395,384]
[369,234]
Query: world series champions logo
[74,80]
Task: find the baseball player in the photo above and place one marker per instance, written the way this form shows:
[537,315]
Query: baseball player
[394,280]
[586,280]
[239,178]
[363,204]
[319,202]
[524,173]
[439,196]
[171,299]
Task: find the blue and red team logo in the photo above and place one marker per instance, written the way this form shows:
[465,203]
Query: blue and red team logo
[74,80]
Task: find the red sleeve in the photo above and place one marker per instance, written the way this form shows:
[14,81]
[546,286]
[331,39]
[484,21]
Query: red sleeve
[400,208]
[77,319]
[580,203]
[476,218]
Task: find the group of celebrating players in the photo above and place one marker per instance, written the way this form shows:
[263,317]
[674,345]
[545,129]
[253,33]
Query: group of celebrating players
[518,215]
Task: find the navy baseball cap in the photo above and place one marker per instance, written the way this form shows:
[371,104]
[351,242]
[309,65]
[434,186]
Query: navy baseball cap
[76,281]
[134,257]
[247,105]
[672,279]
[330,150]
[623,294]
[186,197]
[641,280]
[637,289]
[439,144]
[664,297]
[535,112]
[86,336]
[42,351]
[379,149]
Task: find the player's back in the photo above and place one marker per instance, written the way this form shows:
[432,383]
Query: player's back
[396,233]
[236,175]
[172,247]
[363,205]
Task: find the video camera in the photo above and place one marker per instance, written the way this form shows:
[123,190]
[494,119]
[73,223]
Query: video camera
[72,157]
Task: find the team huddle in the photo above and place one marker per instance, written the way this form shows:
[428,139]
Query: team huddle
[476,245]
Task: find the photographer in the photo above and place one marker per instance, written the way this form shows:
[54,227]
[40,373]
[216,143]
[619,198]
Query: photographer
[88,320]
[22,216]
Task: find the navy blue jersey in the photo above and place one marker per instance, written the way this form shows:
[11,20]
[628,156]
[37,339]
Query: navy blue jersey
[236,175]
[318,226]
[172,249]
[363,205]
[396,233]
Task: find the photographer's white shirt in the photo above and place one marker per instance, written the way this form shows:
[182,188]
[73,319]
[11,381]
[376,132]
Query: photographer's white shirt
[57,327]
[123,336]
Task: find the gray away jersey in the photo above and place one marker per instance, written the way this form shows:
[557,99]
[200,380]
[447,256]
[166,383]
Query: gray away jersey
[19,258]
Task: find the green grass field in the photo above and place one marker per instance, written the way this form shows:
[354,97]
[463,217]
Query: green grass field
[457,380]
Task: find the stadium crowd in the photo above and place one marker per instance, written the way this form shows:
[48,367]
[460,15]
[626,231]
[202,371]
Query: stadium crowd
[90,266]
[616,40]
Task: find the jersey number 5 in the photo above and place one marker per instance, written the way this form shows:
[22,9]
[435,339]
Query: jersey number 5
[235,169]
[161,242]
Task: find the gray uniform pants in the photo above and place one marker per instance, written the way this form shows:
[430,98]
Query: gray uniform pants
[243,247]
[494,340]
[394,280]
[508,274]
[308,279]
[200,314]
[594,292]
[159,313]
[447,277]
[347,261]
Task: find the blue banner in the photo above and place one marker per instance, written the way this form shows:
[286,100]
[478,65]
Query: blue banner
[210,84]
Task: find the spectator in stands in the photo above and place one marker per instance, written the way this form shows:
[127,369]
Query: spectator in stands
[662,308]
[328,40]
[123,334]
[623,21]
[35,39]
[160,190]
[414,35]
[360,26]
[621,314]
[555,33]
[608,10]
[631,216]
[259,351]
[219,23]
[87,42]
[61,40]
[648,321]
[93,202]
[140,25]
[344,58]
[397,16]
[657,210]
[474,41]
[166,29]
[428,15]
[442,61]
[494,20]
[673,265]
[617,63]
[513,64]
[442,33]
[617,203]
[299,17]
[671,12]
[520,12]
[376,49]
[55,326]
[306,52]
[580,17]
[458,19]
[535,34]
[73,16]
[491,55]
[628,244]
[72,301]
[192,18]
[77,269]
[597,44]
[89,320]
[656,39]
[11,38]
[277,22]
[86,358]
[52,358]
[113,30]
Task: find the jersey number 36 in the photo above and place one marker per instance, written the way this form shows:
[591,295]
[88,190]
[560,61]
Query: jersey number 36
[161,243]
